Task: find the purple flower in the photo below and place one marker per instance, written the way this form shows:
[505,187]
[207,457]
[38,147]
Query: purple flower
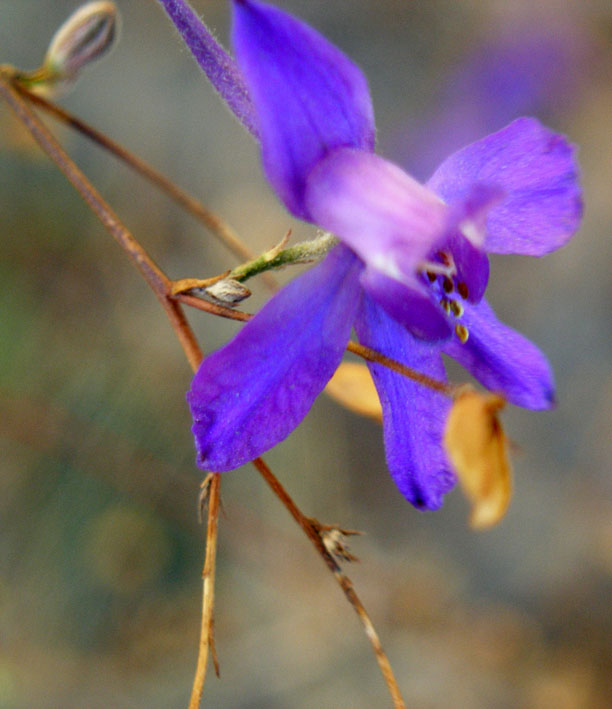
[412,266]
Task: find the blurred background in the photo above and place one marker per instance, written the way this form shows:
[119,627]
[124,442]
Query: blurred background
[100,547]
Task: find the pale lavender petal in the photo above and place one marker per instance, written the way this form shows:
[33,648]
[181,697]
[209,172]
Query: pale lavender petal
[502,359]
[390,220]
[537,170]
[309,97]
[252,393]
[413,416]
[220,68]
[411,306]
[467,232]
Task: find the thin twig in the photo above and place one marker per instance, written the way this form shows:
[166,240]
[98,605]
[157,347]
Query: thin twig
[213,308]
[213,222]
[311,531]
[373,356]
[208,594]
[160,285]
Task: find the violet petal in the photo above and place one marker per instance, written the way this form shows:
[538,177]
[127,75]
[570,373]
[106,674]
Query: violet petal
[250,394]
[220,68]
[537,170]
[410,305]
[502,359]
[309,97]
[413,416]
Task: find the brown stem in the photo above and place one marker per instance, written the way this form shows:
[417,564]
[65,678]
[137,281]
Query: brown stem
[213,308]
[373,356]
[214,223]
[312,532]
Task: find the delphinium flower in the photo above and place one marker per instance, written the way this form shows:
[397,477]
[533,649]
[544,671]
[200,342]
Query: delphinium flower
[411,267]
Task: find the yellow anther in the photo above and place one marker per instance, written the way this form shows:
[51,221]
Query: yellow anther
[456,308]
[446,305]
[462,333]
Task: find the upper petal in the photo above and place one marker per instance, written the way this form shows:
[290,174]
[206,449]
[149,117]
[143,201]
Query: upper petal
[252,393]
[502,359]
[537,170]
[309,97]
[413,416]
[217,64]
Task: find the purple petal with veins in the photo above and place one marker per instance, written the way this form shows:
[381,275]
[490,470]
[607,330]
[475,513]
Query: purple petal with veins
[536,168]
[413,416]
[249,395]
[310,98]
[502,359]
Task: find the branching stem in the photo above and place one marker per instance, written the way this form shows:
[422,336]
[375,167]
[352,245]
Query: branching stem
[162,287]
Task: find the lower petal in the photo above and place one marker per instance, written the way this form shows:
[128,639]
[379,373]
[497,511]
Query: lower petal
[413,416]
[252,393]
[502,359]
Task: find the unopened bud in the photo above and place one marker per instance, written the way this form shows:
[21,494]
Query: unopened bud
[478,449]
[228,291]
[87,34]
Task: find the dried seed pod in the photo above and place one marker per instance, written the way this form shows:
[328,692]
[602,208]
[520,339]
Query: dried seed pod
[478,449]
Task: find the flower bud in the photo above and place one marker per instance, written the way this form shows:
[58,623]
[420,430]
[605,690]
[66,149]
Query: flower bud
[478,449]
[228,291]
[86,35]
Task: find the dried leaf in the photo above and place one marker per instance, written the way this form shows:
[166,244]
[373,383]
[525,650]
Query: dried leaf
[478,449]
[352,386]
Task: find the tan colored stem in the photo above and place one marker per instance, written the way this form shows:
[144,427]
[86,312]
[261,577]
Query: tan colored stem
[214,223]
[312,532]
[208,593]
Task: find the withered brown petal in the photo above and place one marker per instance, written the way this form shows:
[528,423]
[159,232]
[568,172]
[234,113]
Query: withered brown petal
[478,449]
[352,386]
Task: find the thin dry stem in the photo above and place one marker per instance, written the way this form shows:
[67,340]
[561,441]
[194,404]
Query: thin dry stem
[373,356]
[208,594]
[160,285]
[213,308]
[311,529]
[211,221]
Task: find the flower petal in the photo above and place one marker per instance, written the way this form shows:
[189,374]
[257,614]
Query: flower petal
[502,359]
[309,97]
[467,231]
[536,168]
[390,220]
[413,416]
[252,393]
[411,306]
[220,68]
